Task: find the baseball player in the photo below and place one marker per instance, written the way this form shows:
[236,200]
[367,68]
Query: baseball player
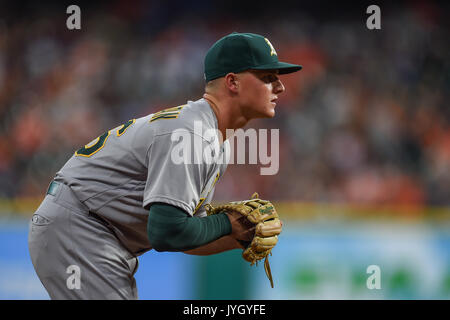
[123,194]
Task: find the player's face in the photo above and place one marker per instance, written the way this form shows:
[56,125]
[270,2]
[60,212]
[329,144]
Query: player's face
[259,91]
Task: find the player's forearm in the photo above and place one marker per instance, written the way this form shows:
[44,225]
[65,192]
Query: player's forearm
[222,244]
[171,229]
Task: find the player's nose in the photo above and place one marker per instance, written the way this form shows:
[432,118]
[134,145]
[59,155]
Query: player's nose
[278,87]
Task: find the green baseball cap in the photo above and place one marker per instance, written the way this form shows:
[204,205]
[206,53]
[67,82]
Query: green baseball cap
[238,52]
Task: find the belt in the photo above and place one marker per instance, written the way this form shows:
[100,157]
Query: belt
[53,188]
[64,195]
[69,198]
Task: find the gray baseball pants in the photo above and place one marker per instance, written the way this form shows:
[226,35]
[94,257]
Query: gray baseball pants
[75,254]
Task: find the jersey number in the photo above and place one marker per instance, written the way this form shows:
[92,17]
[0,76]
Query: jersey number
[93,147]
[90,149]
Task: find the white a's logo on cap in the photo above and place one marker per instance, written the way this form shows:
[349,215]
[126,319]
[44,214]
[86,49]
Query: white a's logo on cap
[272,49]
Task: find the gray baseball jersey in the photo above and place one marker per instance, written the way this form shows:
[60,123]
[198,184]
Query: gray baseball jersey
[156,158]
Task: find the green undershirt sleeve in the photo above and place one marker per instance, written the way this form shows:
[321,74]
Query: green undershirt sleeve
[172,229]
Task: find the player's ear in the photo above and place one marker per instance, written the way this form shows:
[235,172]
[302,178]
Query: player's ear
[232,82]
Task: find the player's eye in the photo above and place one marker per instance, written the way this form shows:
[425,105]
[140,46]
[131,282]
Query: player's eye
[269,78]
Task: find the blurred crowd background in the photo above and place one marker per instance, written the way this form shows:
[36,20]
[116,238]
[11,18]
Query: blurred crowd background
[364,136]
[366,121]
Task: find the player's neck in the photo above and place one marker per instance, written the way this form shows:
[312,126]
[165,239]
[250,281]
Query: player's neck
[228,116]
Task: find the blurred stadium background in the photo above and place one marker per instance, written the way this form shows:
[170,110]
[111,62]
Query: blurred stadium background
[364,173]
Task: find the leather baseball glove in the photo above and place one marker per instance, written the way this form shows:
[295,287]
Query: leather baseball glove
[262,216]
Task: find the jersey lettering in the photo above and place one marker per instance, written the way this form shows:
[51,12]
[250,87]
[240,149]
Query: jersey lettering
[170,113]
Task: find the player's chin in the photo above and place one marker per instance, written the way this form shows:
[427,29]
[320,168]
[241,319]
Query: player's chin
[270,110]
[266,111]
[266,114]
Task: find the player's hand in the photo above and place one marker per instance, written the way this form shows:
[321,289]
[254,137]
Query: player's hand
[242,229]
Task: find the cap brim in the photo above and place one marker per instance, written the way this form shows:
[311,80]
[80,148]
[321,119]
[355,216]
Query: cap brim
[282,67]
